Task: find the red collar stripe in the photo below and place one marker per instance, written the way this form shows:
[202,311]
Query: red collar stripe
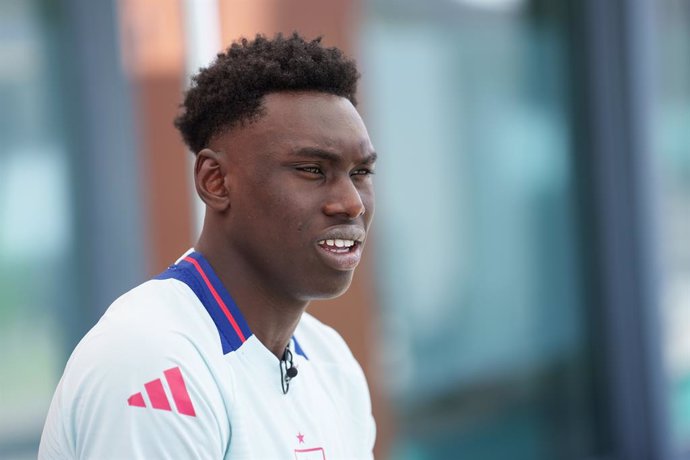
[222,305]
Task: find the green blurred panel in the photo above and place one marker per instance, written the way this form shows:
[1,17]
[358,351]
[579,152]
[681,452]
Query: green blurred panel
[35,230]
[487,340]
[673,156]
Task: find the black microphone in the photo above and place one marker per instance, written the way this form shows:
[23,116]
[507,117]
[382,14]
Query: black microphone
[287,370]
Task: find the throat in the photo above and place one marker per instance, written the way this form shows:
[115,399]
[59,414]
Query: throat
[274,332]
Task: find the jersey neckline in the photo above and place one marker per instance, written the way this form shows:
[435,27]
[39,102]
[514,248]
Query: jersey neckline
[194,270]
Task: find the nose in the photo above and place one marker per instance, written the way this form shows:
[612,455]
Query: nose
[344,200]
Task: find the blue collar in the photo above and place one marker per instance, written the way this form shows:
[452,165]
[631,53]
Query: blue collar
[195,271]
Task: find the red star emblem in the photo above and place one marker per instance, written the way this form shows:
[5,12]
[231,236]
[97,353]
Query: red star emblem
[300,436]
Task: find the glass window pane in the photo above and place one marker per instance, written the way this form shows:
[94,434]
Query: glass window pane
[35,231]
[487,342]
[673,147]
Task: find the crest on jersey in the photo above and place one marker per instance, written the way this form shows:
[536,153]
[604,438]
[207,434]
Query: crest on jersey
[311,453]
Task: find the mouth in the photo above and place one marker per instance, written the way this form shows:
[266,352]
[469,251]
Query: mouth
[339,246]
[342,249]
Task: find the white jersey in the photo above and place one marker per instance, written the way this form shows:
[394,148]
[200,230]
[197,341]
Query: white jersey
[173,371]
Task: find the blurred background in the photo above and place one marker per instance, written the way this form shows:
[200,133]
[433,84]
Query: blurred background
[526,292]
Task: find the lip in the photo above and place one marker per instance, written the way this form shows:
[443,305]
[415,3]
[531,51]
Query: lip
[342,261]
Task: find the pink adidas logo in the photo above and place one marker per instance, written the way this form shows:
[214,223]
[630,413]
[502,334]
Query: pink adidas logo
[159,399]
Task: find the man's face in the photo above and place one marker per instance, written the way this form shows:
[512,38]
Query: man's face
[301,194]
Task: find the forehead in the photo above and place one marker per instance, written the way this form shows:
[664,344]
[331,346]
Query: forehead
[294,120]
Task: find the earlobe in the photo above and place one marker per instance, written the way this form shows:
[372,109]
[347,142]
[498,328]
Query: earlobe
[210,180]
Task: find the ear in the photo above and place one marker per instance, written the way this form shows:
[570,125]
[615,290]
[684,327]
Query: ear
[210,180]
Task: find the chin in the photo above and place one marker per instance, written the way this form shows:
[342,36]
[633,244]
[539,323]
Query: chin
[329,290]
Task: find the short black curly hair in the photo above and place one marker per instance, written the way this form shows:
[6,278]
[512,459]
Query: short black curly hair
[231,89]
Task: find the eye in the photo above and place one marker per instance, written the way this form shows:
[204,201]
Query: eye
[363,172]
[310,169]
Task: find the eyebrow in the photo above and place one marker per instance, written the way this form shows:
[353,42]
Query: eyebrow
[313,152]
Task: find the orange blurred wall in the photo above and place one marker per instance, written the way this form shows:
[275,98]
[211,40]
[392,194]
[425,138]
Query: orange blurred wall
[152,39]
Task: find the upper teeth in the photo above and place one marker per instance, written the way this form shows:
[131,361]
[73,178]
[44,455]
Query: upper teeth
[338,243]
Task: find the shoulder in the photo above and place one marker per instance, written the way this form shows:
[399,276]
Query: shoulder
[157,324]
[153,349]
[156,319]
[325,348]
[322,341]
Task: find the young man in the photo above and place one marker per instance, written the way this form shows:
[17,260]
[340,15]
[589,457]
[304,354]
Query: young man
[216,358]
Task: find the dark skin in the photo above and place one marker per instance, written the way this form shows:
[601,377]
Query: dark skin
[289,198]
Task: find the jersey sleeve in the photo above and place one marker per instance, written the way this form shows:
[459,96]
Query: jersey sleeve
[137,391]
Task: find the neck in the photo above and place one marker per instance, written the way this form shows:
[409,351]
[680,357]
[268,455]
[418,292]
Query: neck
[271,317]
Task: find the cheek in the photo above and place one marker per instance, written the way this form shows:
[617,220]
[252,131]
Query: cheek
[284,205]
[292,209]
[369,201]
[288,212]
